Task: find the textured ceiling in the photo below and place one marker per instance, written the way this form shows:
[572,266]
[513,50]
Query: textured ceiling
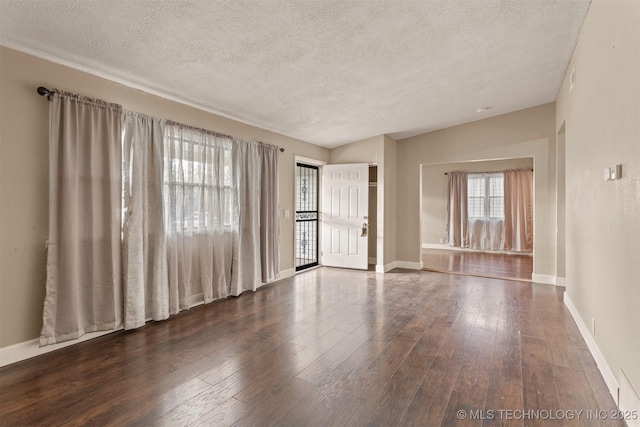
[326,72]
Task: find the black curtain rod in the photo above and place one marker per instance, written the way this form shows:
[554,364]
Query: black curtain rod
[43,91]
[447,173]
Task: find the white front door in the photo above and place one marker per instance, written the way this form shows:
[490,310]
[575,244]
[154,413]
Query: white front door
[345,209]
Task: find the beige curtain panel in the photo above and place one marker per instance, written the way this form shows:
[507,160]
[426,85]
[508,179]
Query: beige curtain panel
[457,233]
[144,249]
[256,248]
[269,223]
[83,285]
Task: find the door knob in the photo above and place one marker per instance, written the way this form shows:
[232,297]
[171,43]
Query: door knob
[365,229]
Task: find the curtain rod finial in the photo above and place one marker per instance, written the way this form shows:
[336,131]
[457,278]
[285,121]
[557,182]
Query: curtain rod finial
[43,91]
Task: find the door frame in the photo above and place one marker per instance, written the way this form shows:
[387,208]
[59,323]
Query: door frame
[301,225]
[311,162]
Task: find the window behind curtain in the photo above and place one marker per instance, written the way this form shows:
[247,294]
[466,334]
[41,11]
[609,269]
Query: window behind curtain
[198,176]
[485,196]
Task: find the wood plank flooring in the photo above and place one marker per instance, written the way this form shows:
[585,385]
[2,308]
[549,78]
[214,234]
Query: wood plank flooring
[328,347]
[482,264]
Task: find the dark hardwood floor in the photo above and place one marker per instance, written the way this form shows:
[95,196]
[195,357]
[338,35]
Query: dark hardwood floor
[328,347]
[482,264]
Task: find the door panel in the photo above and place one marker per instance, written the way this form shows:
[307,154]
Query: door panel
[344,216]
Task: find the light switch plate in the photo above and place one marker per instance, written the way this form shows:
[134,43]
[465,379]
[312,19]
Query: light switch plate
[616,172]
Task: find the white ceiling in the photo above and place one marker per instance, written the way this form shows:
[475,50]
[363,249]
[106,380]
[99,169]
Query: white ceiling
[326,72]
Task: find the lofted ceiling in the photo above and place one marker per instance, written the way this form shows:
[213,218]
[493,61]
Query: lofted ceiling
[324,71]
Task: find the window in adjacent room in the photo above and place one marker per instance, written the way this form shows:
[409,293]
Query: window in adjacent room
[485,196]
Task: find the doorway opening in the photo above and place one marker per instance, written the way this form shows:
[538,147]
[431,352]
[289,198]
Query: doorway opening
[480,249]
[307,179]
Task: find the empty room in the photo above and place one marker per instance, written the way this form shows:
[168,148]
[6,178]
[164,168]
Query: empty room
[310,213]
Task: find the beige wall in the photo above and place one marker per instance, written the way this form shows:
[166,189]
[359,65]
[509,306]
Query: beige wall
[434,191]
[390,200]
[24,121]
[601,117]
[525,133]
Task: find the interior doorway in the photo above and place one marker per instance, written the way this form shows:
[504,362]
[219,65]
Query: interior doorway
[480,254]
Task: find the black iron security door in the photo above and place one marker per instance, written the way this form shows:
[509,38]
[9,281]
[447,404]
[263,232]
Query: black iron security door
[306,216]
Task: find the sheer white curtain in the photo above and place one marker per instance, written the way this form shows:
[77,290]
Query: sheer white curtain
[201,215]
[83,285]
[486,234]
[144,251]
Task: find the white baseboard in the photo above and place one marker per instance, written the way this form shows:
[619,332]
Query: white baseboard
[410,265]
[440,246]
[286,273]
[398,264]
[380,268]
[629,401]
[547,279]
[609,378]
[28,349]
[561,281]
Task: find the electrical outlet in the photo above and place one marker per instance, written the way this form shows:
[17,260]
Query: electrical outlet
[441,240]
[593,326]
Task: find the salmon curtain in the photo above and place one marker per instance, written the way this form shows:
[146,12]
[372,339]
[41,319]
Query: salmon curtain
[518,210]
[457,233]
[514,233]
